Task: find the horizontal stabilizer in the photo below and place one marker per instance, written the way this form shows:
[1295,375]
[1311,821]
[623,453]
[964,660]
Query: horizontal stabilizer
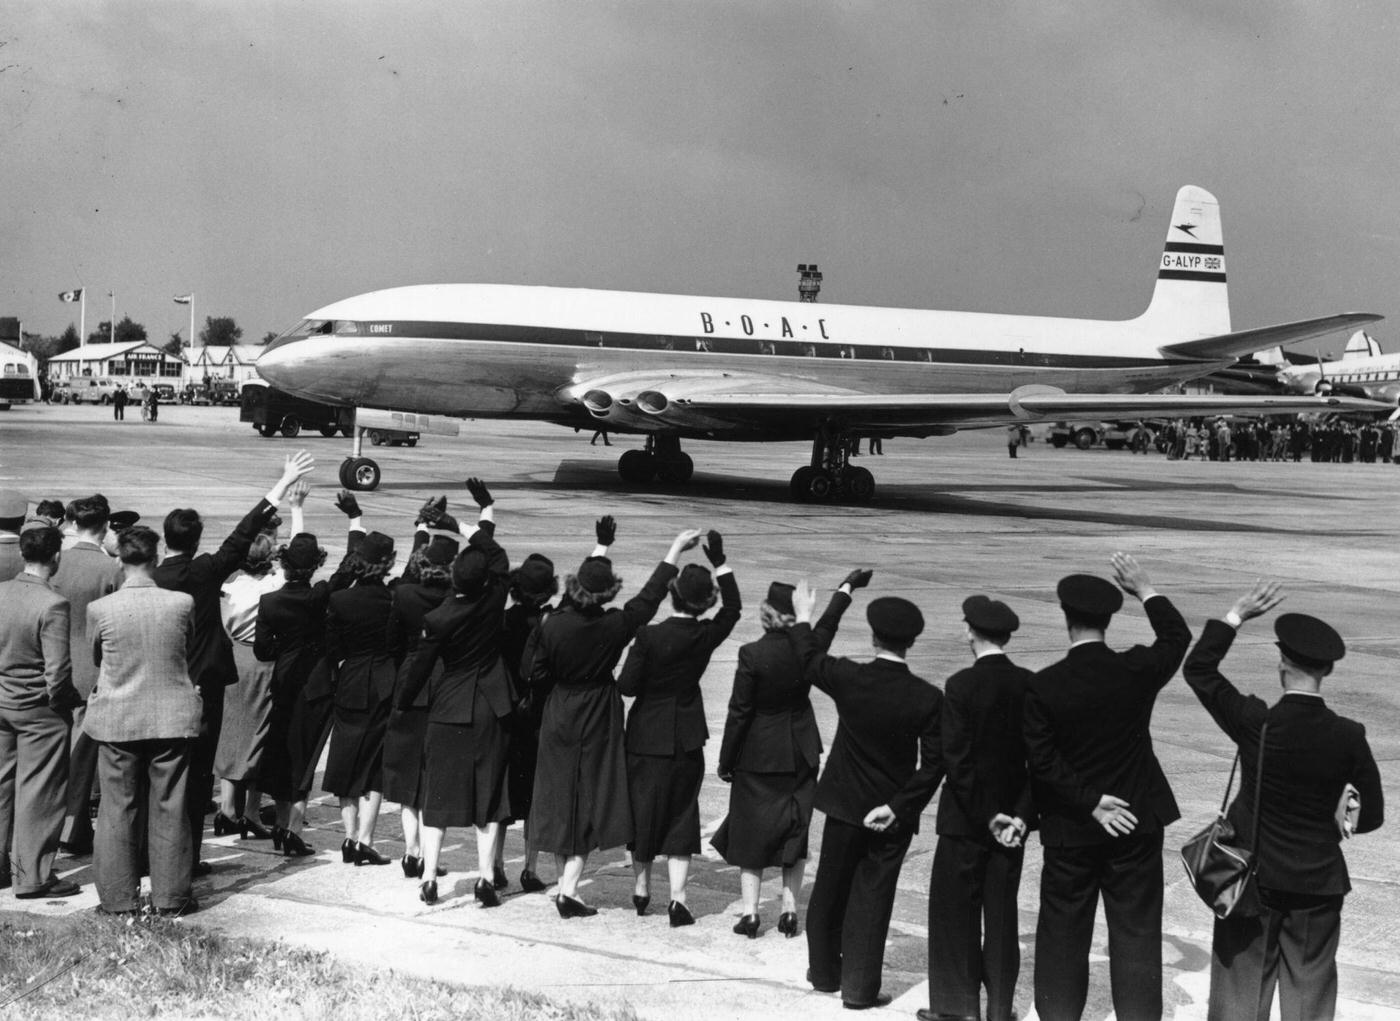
[1243,342]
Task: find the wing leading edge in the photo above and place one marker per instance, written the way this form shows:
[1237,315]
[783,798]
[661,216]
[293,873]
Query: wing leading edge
[1243,342]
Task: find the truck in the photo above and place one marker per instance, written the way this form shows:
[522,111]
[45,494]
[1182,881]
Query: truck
[272,411]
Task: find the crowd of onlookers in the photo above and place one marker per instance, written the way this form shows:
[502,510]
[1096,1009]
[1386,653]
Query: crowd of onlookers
[476,691]
[1272,439]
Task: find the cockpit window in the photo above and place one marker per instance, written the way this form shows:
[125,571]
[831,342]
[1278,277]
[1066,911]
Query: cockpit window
[343,326]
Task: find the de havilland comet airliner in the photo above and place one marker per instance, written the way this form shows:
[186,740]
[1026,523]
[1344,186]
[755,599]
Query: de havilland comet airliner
[670,367]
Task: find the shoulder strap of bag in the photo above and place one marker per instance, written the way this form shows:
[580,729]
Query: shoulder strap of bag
[1225,801]
[1258,790]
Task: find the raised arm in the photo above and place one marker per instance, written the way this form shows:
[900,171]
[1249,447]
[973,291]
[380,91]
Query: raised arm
[1173,636]
[642,607]
[1232,711]
[224,561]
[719,628]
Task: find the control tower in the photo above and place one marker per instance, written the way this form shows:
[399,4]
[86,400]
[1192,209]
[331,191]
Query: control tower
[809,283]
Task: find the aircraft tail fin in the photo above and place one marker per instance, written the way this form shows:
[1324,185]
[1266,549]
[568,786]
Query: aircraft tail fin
[1190,300]
[1273,356]
[1361,345]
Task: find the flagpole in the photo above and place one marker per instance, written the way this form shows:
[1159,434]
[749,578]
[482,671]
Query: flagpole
[192,320]
[112,323]
[82,316]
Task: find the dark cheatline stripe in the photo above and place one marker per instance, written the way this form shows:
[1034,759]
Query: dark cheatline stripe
[806,348]
[1195,248]
[1188,274]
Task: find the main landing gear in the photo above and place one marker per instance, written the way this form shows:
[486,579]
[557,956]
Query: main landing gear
[661,459]
[830,475]
[357,473]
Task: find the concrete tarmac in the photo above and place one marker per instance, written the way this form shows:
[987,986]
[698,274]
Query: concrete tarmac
[955,516]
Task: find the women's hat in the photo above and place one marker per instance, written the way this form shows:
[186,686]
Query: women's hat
[303,552]
[376,547]
[780,597]
[694,585]
[596,575]
[469,572]
[440,551]
[535,577]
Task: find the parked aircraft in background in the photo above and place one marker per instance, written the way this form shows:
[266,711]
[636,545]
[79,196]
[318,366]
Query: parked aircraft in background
[1363,371]
[670,367]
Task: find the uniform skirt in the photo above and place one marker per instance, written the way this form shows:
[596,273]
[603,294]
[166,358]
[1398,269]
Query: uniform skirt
[769,816]
[297,730]
[355,764]
[524,729]
[404,752]
[247,708]
[665,796]
[466,771]
[580,801]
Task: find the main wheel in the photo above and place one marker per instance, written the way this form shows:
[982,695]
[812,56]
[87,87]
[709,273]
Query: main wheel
[327,431]
[860,484]
[291,426]
[676,469]
[267,429]
[1084,439]
[636,466]
[376,437]
[797,485]
[359,473]
[818,486]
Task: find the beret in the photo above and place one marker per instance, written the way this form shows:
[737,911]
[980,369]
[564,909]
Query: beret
[1089,594]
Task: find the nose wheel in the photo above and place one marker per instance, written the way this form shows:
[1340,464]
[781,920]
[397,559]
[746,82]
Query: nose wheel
[830,476]
[360,474]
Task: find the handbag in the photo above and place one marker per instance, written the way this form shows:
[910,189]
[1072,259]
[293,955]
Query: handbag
[1222,871]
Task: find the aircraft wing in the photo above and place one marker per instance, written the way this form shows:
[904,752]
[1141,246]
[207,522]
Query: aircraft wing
[1243,342]
[698,403]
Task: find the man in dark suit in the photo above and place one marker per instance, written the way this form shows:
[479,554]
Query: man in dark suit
[983,817]
[36,698]
[1103,799]
[1311,756]
[884,766]
[86,574]
[211,665]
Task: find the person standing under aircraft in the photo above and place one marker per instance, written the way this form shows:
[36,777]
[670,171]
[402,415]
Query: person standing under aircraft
[884,766]
[1103,799]
[983,817]
[1311,756]
[580,799]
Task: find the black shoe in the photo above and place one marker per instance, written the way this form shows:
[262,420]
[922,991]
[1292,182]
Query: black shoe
[366,855]
[747,926]
[881,1000]
[55,887]
[252,830]
[531,883]
[640,903]
[412,866]
[277,832]
[201,869]
[347,851]
[427,891]
[679,914]
[822,987]
[485,893]
[787,924]
[927,1014]
[498,878]
[223,825]
[188,907]
[571,908]
[294,847]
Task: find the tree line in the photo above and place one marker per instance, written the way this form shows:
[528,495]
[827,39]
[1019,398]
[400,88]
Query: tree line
[218,331]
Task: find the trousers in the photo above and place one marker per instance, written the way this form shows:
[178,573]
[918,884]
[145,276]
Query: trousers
[150,779]
[1290,946]
[34,771]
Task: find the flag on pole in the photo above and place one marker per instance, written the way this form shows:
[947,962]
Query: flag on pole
[71,295]
[183,299]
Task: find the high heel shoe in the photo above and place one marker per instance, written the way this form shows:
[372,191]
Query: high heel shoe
[427,891]
[412,866]
[223,825]
[250,829]
[366,855]
[571,908]
[498,878]
[347,851]
[787,924]
[747,926]
[679,914]
[277,832]
[486,893]
[640,903]
[294,847]
[531,883]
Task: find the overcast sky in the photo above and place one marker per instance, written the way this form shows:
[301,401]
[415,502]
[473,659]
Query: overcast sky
[272,157]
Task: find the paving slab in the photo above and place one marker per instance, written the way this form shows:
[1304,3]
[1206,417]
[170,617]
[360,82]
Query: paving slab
[954,516]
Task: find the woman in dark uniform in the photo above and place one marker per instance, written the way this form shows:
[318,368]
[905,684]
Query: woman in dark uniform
[580,801]
[666,730]
[291,634]
[467,739]
[770,753]
[357,647]
[426,582]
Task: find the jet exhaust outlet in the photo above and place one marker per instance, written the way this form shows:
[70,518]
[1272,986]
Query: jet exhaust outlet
[599,402]
[653,402]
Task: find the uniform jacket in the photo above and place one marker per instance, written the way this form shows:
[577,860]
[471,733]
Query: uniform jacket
[291,631]
[663,671]
[357,644]
[202,577]
[1310,755]
[886,750]
[35,669]
[412,603]
[984,748]
[1087,726]
[579,647]
[771,727]
[140,637]
[466,636]
[84,573]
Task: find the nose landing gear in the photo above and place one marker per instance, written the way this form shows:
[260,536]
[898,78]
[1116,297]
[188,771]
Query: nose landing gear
[661,459]
[830,476]
[357,473]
